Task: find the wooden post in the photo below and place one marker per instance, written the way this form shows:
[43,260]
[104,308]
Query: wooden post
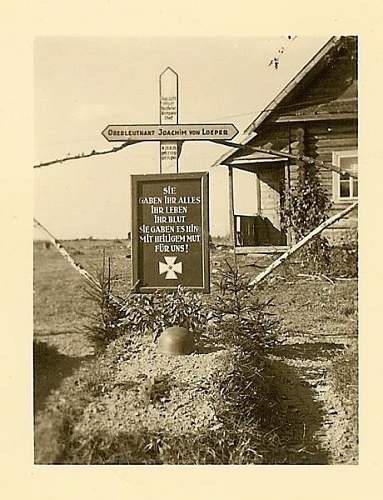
[258,193]
[289,235]
[302,242]
[169,116]
[231,207]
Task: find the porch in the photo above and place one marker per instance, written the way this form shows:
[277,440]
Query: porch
[260,232]
[256,234]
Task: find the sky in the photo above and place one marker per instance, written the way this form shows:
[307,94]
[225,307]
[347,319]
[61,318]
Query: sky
[83,84]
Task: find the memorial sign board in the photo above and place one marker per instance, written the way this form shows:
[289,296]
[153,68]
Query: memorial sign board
[170,233]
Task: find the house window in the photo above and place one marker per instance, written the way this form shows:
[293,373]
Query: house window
[344,186]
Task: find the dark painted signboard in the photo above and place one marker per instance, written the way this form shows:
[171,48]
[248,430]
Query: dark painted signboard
[170,232]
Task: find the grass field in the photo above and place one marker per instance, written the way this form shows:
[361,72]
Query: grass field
[312,372]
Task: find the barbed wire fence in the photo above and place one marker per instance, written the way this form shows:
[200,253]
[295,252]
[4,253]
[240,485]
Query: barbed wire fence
[81,156]
[272,152]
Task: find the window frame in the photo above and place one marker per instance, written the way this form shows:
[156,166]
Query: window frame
[337,156]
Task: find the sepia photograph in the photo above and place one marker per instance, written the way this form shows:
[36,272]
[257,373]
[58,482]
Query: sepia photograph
[195,250]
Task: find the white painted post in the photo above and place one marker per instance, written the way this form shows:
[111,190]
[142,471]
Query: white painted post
[78,267]
[168,116]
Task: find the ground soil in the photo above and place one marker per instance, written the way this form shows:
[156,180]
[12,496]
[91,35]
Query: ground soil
[318,321]
[157,392]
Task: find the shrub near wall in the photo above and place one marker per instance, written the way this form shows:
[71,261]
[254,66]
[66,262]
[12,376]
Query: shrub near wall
[303,208]
[344,256]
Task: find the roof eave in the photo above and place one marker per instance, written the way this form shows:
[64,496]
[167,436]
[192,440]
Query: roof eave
[251,129]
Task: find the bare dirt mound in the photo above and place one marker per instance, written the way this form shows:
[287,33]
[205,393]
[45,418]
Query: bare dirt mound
[158,392]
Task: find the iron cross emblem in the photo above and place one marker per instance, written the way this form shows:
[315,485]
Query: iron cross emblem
[170,267]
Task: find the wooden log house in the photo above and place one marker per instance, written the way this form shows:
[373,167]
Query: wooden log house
[316,114]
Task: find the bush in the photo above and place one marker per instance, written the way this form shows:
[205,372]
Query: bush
[241,319]
[158,311]
[138,314]
[102,325]
[336,261]
[248,399]
[344,257]
[306,205]
[304,208]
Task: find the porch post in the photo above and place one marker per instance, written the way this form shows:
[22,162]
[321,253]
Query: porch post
[231,206]
[289,235]
[258,193]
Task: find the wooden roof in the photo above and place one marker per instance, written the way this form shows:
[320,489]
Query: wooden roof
[299,101]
